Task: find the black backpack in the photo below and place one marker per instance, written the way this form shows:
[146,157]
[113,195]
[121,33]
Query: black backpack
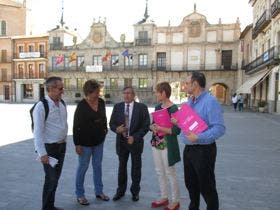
[46,106]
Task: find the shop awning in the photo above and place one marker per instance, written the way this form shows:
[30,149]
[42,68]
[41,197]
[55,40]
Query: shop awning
[252,81]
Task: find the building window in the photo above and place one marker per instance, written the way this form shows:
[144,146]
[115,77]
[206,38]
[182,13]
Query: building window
[143,83]
[143,60]
[3,28]
[42,50]
[4,56]
[97,60]
[20,49]
[143,34]
[227,59]
[81,61]
[20,71]
[67,83]
[113,83]
[41,70]
[4,76]
[115,60]
[27,91]
[127,82]
[56,40]
[30,70]
[31,48]
[128,60]
[161,61]
[80,83]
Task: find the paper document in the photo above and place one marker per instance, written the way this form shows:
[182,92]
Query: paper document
[52,161]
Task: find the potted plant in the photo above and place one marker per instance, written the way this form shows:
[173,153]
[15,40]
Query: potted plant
[261,105]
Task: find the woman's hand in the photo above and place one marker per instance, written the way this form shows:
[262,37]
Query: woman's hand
[79,149]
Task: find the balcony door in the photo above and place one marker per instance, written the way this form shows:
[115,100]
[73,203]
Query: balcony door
[227,59]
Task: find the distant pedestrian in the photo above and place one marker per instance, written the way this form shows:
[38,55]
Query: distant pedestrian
[50,138]
[89,132]
[200,150]
[240,102]
[234,100]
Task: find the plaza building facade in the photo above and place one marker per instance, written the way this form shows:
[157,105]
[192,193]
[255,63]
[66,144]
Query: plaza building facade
[261,56]
[12,22]
[156,54]
[29,66]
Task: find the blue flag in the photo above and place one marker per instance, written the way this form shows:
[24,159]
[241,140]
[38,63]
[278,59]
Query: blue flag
[125,53]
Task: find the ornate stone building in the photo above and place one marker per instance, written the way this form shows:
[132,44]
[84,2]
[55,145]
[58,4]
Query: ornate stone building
[156,54]
[261,56]
[12,22]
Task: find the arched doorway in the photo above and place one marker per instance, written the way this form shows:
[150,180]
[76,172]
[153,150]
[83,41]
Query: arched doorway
[220,92]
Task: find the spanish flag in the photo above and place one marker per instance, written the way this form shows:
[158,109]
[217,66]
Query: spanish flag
[107,56]
[73,57]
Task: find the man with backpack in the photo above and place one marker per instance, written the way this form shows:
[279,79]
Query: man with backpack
[50,132]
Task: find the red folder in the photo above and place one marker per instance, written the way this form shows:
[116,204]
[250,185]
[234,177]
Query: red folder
[189,121]
[162,118]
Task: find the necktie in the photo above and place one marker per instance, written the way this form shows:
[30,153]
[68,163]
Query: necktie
[126,114]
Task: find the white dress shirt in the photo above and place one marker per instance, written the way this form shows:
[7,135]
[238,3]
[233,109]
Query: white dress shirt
[52,130]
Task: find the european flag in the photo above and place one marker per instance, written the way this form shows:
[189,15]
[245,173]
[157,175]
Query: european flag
[125,53]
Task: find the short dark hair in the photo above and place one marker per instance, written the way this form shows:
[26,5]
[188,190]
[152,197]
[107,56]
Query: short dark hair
[164,86]
[51,81]
[90,86]
[199,77]
[129,87]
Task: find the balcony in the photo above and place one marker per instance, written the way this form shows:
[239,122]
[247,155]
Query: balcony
[270,57]
[56,46]
[275,8]
[36,75]
[64,69]
[143,42]
[261,23]
[29,55]
[200,67]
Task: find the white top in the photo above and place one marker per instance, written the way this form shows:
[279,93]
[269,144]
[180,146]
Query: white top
[234,99]
[130,112]
[53,130]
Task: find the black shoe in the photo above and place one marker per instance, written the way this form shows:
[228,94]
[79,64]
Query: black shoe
[117,196]
[135,197]
[57,208]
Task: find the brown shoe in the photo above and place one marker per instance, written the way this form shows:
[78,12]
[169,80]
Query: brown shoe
[83,201]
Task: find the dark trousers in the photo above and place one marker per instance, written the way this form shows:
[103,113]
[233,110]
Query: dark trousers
[136,165]
[52,174]
[199,167]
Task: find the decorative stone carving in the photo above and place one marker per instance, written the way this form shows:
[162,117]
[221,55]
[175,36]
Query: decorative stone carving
[194,29]
[97,36]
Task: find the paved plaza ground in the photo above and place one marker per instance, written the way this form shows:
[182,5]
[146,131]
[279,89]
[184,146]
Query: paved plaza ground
[247,167]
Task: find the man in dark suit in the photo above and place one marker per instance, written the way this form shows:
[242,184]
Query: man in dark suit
[130,121]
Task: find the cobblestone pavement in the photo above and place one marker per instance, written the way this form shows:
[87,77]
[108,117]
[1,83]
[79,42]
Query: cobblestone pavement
[247,170]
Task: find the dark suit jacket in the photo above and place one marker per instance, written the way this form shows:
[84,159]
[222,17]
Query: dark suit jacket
[139,126]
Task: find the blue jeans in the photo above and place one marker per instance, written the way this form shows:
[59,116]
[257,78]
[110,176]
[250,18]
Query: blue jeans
[52,174]
[96,153]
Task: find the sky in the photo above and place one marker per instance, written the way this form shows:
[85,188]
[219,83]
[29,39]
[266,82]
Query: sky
[121,15]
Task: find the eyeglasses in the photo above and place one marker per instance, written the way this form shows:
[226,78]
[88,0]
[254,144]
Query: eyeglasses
[60,89]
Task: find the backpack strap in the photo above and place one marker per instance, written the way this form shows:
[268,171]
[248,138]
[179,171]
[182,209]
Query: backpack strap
[46,106]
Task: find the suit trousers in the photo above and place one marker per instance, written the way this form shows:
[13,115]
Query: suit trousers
[199,167]
[52,174]
[136,165]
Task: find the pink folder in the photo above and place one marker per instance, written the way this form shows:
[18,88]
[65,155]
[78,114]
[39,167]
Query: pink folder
[189,121]
[162,118]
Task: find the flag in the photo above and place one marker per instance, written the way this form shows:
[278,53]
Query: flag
[73,57]
[59,59]
[107,56]
[125,53]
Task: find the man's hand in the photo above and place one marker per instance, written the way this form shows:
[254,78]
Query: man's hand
[45,159]
[121,129]
[130,140]
[79,149]
[174,121]
[192,137]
